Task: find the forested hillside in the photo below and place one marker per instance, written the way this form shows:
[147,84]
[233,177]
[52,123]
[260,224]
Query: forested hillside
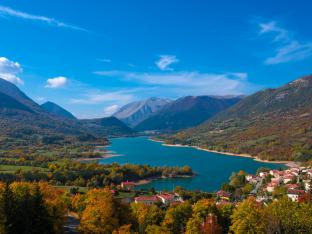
[274,124]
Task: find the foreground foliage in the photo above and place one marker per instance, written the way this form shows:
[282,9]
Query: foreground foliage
[100,212]
[31,208]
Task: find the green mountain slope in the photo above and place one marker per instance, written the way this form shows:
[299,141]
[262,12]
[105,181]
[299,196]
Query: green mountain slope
[57,110]
[23,119]
[186,112]
[274,124]
[109,126]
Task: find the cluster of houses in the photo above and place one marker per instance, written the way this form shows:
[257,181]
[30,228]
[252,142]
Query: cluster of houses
[296,180]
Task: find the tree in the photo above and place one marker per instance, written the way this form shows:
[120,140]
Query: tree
[99,216]
[176,218]
[125,229]
[155,229]
[25,210]
[201,210]
[7,211]
[146,215]
[284,212]
[247,218]
[225,211]
[247,188]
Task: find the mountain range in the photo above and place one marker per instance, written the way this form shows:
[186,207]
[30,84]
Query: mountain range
[22,118]
[273,124]
[134,113]
[186,112]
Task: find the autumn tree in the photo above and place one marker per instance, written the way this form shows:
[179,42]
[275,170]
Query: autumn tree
[176,218]
[247,218]
[100,215]
[146,215]
[201,210]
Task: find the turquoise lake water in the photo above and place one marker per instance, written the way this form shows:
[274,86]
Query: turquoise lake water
[212,169]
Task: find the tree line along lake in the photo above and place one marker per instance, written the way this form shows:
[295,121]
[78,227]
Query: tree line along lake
[212,169]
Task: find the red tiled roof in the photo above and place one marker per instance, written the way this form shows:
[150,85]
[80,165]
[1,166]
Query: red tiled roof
[146,198]
[296,191]
[222,193]
[166,196]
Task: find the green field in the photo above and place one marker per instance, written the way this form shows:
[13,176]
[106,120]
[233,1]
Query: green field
[14,168]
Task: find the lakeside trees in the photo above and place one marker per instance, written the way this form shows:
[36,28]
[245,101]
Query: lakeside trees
[74,173]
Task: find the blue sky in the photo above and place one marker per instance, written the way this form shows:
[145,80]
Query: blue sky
[94,56]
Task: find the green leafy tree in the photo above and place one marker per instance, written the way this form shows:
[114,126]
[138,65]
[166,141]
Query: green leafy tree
[176,218]
[247,217]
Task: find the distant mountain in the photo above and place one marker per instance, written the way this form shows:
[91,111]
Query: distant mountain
[110,126]
[22,118]
[12,91]
[57,110]
[186,112]
[272,124]
[134,113]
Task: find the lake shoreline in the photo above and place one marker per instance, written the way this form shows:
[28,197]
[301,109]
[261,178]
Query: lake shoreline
[150,180]
[287,163]
[104,155]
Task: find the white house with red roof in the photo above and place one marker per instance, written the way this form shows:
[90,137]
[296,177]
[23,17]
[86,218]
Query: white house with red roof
[169,198]
[271,187]
[127,185]
[294,194]
[288,178]
[148,200]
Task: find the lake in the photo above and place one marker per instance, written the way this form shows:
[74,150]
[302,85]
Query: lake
[212,169]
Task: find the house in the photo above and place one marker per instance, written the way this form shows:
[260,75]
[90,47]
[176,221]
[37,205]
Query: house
[307,185]
[276,173]
[224,195]
[127,185]
[294,194]
[276,180]
[271,187]
[252,179]
[295,169]
[263,174]
[147,200]
[169,198]
[288,178]
[249,177]
[292,186]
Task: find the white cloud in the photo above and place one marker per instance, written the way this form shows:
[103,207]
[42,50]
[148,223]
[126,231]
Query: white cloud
[272,27]
[105,60]
[110,110]
[9,71]
[164,62]
[188,83]
[290,49]
[7,11]
[293,51]
[104,97]
[57,82]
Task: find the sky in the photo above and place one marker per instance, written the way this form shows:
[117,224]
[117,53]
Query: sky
[93,56]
